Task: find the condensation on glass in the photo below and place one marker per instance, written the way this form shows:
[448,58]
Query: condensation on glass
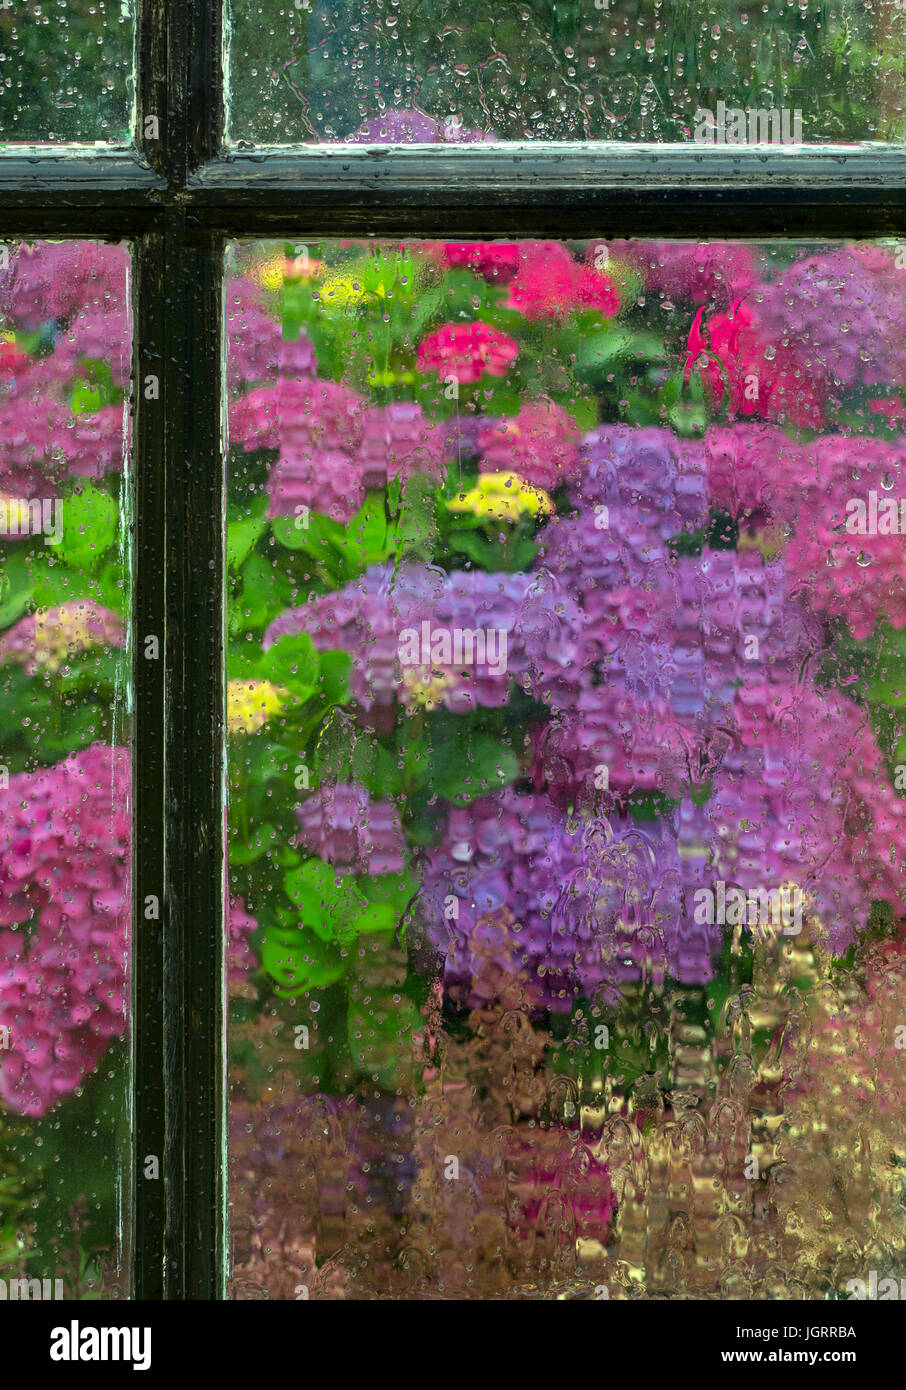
[66,71]
[65,778]
[416,71]
[567,760]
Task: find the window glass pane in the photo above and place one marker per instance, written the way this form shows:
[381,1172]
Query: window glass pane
[66,71]
[567,604]
[65,778]
[422,70]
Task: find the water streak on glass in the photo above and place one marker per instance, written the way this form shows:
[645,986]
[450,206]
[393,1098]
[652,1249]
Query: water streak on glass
[65,776]
[429,71]
[567,832]
[66,71]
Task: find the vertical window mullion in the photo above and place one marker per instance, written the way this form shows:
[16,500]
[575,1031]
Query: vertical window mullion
[179,818]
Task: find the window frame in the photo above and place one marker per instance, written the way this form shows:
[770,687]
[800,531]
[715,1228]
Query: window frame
[178,199]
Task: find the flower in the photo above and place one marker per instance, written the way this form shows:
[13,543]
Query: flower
[550,283]
[540,444]
[415,128]
[495,260]
[700,271]
[251,703]
[741,366]
[342,825]
[502,497]
[48,639]
[844,314]
[398,441]
[467,351]
[316,426]
[64,912]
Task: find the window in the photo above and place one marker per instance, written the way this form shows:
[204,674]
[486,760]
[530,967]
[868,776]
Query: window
[473,639]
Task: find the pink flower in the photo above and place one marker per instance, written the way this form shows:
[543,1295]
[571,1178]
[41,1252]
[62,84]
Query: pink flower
[467,351]
[398,441]
[541,444]
[317,428]
[550,283]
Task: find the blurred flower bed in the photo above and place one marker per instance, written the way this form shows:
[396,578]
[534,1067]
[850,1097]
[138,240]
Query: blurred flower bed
[619,475]
[545,614]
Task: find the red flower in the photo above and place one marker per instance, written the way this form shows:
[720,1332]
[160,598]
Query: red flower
[495,260]
[467,351]
[759,378]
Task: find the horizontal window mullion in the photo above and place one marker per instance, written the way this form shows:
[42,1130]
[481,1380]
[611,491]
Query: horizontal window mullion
[556,190]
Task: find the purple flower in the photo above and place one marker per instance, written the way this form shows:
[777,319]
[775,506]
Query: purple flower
[415,128]
[342,825]
[849,319]
[661,477]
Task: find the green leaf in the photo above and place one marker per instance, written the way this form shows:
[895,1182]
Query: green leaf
[471,767]
[243,532]
[324,901]
[292,662]
[15,590]
[89,526]
[297,963]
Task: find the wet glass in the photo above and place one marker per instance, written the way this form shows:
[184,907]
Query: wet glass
[65,775]
[567,760]
[66,71]
[406,71]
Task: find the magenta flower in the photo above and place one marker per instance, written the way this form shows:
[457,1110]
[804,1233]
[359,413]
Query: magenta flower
[467,351]
[550,283]
[64,912]
[494,260]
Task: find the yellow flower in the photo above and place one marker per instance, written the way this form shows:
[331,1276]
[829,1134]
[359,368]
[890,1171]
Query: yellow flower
[424,688]
[503,497]
[251,703]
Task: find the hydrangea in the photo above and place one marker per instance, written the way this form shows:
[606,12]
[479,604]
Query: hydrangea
[47,640]
[397,440]
[317,428]
[540,444]
[523,903]
[256,348]
[651,473]
[845,316]
[700,271]
[342,825]
[64,912]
